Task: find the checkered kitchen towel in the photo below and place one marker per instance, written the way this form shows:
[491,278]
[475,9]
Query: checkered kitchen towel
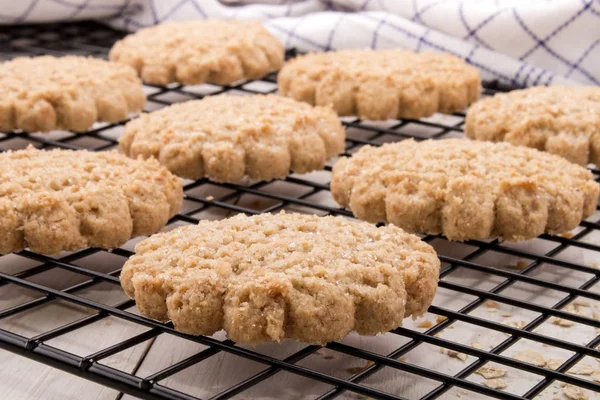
[522,43]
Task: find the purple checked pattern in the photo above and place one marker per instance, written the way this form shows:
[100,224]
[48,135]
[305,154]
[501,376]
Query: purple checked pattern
[522,45]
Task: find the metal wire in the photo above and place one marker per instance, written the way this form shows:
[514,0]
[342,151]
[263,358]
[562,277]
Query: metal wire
[95,40]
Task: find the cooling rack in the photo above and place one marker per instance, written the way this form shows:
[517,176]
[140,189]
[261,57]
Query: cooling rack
[499,304]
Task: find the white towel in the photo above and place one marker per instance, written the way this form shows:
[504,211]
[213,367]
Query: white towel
[520,43]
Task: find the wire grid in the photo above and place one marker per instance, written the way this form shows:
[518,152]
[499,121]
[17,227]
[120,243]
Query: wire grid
[475,270]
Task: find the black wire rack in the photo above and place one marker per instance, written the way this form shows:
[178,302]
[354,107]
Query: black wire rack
[551,283]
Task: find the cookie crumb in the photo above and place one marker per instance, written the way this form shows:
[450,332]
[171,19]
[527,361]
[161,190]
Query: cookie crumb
[456,354]
[490,372]
[491,304]
[596,376]
[520,265]
[574,392]
[581,369]
[554,363]
[580,307]
[581,302]
[530,357]
[496,383]
[440,318]
[477,345]
[567,235]
[357,370]
[506,315]
[562,322]
[516,324]
[210,198]
[425,324]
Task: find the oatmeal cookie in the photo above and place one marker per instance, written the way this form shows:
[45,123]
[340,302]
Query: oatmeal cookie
[194,52]
[269,277]
[47,93]
[228,137]
[58,200]
[558,119]
[465,189]
[381,84]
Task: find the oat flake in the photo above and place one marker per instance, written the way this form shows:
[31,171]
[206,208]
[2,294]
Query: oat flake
[531,357]
[456,354]
[490,372]
[496,383]
[562,322]
[554,363]
[581,369]
[425,324]
[574,392]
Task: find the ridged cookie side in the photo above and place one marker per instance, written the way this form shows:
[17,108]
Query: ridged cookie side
[572,135]
[263,149]
[465,207]
[203,296]
[94,214]
[378,95]
[65,101]
[250,55]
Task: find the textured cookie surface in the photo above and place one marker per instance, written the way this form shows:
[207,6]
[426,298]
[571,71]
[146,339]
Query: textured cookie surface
[67,200]
[465,189]
[381,84]
[227,137]
[270,277]
[46,93]
[558,119]
[194,52]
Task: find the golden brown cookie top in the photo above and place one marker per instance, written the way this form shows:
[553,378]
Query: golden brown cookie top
[465,189]
[226,137]
[45,93]
[332,266]
[64,200]
[559,119]
[455,158]
[381,84]
[192,52]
